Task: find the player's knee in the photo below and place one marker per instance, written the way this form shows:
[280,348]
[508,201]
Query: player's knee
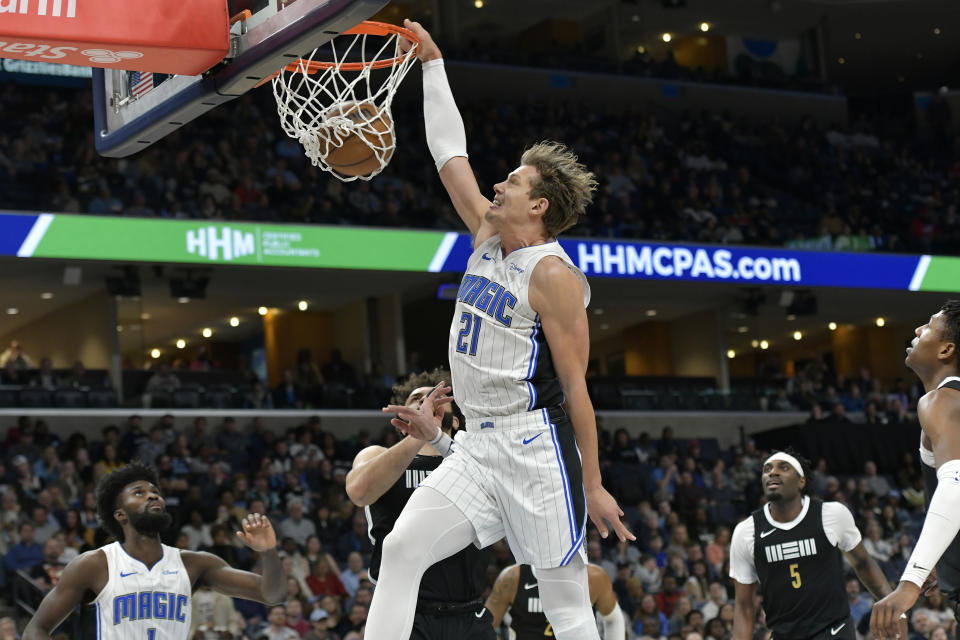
[402,549]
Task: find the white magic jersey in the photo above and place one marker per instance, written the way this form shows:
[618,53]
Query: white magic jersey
[144,604]
[499,358]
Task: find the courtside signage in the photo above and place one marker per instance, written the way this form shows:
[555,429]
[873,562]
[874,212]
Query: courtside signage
[66,236]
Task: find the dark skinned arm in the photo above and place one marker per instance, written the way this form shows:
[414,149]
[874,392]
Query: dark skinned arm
[744,610]
[82,574]
[503,593]
[868,571]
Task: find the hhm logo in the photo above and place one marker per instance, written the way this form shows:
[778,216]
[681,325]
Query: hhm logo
[220,243]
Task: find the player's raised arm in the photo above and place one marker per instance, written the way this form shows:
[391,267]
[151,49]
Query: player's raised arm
[375,469]
[503,593]
[447,138]
[270,588]
[79,576]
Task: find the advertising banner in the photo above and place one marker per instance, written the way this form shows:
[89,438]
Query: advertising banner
[81,237]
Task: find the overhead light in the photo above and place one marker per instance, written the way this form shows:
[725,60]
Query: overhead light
[183,300]
[262,311]
[754,343]
[302,305]
[181,343]
[145,316]
[704,26]
[641,48]
[12,311]
[743,329]
[234,321]
[651,313]
[858,35]
[764,344]
[119,328]
[207,332]
[155,353]
[478,4]
[842,60]
[667,37]
[881,322]
[797,335]
[731,354]
[46,295]
[936,31]
[832,326]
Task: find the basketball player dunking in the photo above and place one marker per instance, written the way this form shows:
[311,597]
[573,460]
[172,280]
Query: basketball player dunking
[932,355]
[793,547]
[450,601]
[518,352]
[142,588]
[517,591]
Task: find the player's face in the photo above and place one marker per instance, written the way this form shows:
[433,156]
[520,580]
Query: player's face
[512,202]
[415,399]
[142,505]
[780,481]
[927,342]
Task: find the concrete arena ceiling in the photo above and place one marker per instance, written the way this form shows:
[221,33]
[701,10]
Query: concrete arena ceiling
[616,305]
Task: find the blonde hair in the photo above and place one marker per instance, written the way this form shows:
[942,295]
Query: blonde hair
[566,184]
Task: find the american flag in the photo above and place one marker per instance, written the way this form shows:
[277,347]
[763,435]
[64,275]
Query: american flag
[140,83]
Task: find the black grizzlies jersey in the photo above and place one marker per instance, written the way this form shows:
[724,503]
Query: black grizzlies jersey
[526,613]
[801,575]
[459,578]
[948,567]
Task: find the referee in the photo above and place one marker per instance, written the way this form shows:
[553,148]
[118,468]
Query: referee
[450,601]
[791,549]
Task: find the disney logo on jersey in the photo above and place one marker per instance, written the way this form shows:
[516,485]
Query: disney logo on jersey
[514,267]
[487,296]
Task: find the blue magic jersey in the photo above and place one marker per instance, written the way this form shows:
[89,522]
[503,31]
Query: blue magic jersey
[499,358]
[140,603]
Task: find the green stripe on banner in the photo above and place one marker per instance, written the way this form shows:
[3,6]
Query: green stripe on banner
[192,241]
[943,274]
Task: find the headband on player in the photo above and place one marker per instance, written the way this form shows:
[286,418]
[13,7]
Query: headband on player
[789,459]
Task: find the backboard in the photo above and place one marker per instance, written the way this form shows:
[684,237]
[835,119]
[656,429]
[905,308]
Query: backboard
[132,110]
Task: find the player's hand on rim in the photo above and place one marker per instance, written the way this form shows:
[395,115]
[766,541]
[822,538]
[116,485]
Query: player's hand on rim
[258,533]
[428,48]
[601,507]
[418,421]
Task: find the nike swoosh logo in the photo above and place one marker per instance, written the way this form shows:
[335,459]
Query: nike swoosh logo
[486,257]
[834,631]
[529,440]
[170,573]
[124,575]
[916,566]
[527,587]
[480,613]
[764,534]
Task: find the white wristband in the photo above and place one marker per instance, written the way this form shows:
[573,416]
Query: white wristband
[442,443]
[613,625]
[940,526]
[446,136]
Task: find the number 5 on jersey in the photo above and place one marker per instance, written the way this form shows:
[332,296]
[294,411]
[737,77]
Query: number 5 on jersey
[795,574]
[469,331]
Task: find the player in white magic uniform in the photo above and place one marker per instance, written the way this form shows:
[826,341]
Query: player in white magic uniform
[519,345]
[142,588]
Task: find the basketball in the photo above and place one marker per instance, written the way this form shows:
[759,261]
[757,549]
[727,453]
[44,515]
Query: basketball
[357,156]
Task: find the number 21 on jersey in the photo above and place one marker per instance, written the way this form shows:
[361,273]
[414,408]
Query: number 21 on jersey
[469,334]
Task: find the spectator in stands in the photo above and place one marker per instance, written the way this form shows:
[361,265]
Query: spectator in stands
[356,539]
[26,484]
[13,375]
[717,597]
[322,581]
[319,629]
[351,576]
[288,394]
[296,526]
[47,468]
[45,377]
[109,462]
[352,624]
[44,524]
[8,629]
[163,381]
[338,372]
[295,619]
[26,554]
[861,604]
[14,354]
[276,626]
[876,483]
[151,448]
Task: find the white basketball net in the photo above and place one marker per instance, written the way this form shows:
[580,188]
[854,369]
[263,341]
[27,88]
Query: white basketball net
[312,106]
